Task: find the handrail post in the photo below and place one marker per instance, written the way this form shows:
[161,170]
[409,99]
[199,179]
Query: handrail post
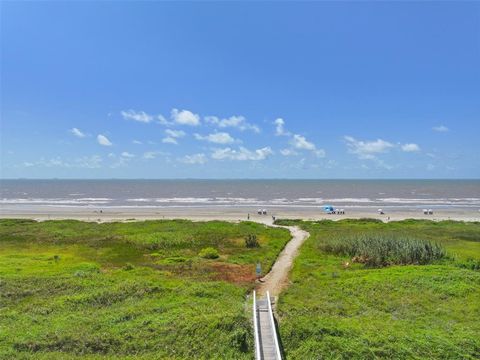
[274,330]
[258,355]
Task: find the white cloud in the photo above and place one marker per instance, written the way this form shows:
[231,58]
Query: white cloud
[194,159]
[217,138]
[127,154]
[279,129]
[300,142]
[410,147]
[172,136]
[367,149]
[140,116]
[137,142]
[185,117]
[163,121]
[77,133]
[242,154]
[238,122]
[103,140]
[175,133]
[440,128]
[149,155]
[170,140]
[288,152]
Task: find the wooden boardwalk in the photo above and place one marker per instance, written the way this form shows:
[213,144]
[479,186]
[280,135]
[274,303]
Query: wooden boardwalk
[266,340]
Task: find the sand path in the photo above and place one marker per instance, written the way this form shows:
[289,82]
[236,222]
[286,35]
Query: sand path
[277,279]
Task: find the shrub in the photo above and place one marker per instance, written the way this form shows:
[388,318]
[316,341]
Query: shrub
[209,253]
[378,250]
[251,241]
[128,266]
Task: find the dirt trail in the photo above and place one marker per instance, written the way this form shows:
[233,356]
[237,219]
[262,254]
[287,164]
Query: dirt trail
[277,279]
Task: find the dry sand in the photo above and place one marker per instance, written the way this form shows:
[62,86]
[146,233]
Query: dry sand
[277,279]
[223,213]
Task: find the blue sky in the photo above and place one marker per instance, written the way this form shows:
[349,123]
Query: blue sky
[240,90]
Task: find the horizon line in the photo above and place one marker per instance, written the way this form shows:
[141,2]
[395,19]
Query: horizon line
[236,179]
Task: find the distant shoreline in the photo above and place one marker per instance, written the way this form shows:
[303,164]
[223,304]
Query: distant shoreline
[226,213]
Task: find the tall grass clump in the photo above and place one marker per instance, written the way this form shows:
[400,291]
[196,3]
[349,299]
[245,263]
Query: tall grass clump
[251,241]
[379,250]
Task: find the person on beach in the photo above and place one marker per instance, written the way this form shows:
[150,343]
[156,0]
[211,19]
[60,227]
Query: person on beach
[248,216]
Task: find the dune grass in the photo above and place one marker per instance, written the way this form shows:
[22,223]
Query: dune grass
[140,290]
[379,250]
[336,309]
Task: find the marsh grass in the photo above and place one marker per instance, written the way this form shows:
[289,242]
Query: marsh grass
[379,250]
[136,290]
[430,311]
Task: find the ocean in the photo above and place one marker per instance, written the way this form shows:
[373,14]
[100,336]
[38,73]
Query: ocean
[241,193]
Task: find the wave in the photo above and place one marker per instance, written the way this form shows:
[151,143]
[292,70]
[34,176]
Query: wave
[244,201]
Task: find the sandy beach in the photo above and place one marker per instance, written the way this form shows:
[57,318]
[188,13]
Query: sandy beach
[225,213]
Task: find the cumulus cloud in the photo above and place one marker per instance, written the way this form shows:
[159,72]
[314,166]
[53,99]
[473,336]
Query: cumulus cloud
[296,141]
[300,142]
[242,154]
[194,159]
[140,116]
[103,140]
[185,117]
[367,149]
[279,127]
[175,133]
[440,128]
[410,147]
[77,133]
[137,142]
[172,136]
[238,122]
[216,138]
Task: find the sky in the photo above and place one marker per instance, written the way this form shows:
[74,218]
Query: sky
[240,89]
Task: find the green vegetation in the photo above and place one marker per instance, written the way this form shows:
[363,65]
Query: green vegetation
[209,253]
[251,241]
[336,309]
[139,290]
[377,250]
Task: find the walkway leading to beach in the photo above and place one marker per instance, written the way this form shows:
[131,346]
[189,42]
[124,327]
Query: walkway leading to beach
[277,279]
[266,338]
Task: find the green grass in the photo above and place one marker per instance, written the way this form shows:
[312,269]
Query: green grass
[71,289]
[379,250]
[337,311]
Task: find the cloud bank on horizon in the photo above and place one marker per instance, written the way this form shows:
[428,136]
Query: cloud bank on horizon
[370,91]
